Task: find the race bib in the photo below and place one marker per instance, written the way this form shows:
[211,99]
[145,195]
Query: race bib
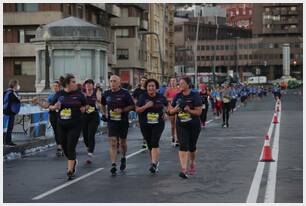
[115,116]
[184,117]
[226,100]
[90,109]
[218,98]
[203,106]
[65,113]
[152,118]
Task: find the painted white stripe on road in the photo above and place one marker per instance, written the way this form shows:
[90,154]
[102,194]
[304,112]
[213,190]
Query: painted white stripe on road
[207,122]
[271,182]
[66,184]
[254,189]
[78,179]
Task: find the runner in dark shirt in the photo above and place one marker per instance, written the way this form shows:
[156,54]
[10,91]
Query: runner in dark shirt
[70,104]
[187,106]
[152,106]
[116,104]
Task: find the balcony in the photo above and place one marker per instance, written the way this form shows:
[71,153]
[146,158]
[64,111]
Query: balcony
[113,10]
[143,25]
[18,50]
[31,18]
[127,21]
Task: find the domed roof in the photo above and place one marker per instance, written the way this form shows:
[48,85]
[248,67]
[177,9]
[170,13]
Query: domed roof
[71,28]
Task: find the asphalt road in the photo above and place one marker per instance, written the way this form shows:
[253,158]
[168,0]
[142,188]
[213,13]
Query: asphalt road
[227,160]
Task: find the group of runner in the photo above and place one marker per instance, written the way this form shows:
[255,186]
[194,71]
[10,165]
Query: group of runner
[75,110]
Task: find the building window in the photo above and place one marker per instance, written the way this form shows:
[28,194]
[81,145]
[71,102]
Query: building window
[202,48]
[122,33]
[28,7]
[122,54]
[207,47]
[63,61]
[24,68]
[217,58]
[245,56]
[222,47]
[293,8]
[226,47]
[25,36]
[267,9]
[222,58]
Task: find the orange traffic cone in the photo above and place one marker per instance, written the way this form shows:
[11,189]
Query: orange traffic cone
[275,119]
[267,152]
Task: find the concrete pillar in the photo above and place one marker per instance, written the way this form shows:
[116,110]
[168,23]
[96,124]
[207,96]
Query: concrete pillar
[286,60]
[271,73]
[37,69]
[51,68]
[106,68]
[97,66]
[77,60]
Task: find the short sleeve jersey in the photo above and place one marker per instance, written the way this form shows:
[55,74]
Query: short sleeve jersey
[91,102]
[71,102]
[192,100]
[113,100]
[154,114]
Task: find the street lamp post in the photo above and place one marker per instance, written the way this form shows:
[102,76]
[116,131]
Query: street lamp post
[160,53]
[47,63]
[216,41]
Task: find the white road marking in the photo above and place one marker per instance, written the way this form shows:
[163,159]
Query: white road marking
[271,182]
[207,122]
[66,184]
[254,189]
[78,179]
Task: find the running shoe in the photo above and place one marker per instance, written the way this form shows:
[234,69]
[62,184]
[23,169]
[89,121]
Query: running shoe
[59,152]
[203,124]
[113,169]
[173,142]
[123,164]
[76,162]
[227,125]
[89,158]
[153,168]
[223,125]
[177,144]
[192,169]
[70,175]
[144,145]
[183,175]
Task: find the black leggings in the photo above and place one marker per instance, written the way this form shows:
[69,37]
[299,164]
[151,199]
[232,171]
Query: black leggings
[90,126]
[204,114]
[69,139]
[53,120]
[152,133]
[226,107]
[188,135]
[233,104]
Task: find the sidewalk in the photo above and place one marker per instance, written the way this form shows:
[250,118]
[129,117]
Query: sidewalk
[28,145]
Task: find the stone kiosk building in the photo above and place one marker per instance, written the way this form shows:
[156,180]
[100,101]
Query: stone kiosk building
[75,46]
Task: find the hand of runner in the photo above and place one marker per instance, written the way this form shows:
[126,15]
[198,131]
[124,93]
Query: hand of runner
[57,105]
[187,108]
[118,110]
[149,104]
[83,109]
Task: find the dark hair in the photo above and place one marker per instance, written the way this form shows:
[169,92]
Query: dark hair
[143,77]
[91,81]
[152,80]
[187,80]
[67,79]
[13,83]
[56,82]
